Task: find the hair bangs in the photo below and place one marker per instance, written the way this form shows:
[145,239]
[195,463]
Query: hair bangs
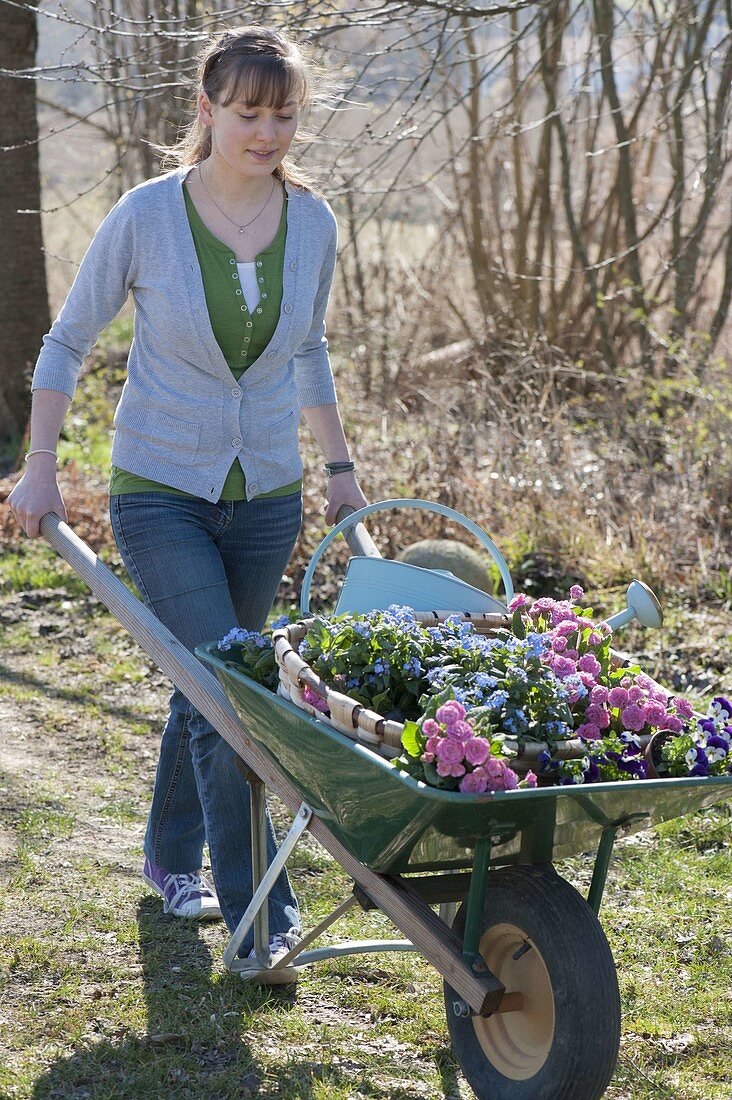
[265,81]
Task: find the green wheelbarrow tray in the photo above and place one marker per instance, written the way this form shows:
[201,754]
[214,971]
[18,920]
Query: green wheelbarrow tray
[393,823]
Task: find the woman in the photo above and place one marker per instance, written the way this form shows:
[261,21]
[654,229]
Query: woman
[229,259]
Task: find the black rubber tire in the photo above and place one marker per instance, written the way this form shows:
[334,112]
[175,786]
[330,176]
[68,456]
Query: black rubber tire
[571,1053]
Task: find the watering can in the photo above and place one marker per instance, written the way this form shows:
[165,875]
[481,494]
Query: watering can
[374,583]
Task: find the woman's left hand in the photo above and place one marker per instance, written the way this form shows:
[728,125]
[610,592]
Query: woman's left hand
[343,489]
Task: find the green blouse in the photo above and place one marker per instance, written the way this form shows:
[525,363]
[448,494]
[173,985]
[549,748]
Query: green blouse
[241,335]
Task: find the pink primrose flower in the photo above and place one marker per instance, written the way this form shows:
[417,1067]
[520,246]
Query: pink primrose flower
[672,723]
[443,769]
[451,711]
[566,627]
[519,600]
[599,694]
[589,731]
[493,767]
[656,713]
[427,758]
[597,716]
[593,638]
[636,694]
[542,606]
[682,707]
[460,730]
[590,663]
[645,682]
[618,697]
[587,679]
[432,743]
[576,591]
[314,700]
[562,666]
[572,654]
[449,751]
[430,728]
[626,682]
[510,779]
[473,783]
[633,717]
[477,750]
[530,779]
[559,644]
[563,613]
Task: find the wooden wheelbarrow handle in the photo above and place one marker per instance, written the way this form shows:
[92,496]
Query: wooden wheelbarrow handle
[359,540]
[411,915]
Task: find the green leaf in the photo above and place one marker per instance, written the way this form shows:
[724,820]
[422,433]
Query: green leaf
[518,625]
[412,739]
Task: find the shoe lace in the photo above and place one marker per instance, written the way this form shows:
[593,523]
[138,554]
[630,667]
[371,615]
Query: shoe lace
[189,881]
[284,941]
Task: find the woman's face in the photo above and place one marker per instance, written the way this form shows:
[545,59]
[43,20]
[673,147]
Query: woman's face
[251,140]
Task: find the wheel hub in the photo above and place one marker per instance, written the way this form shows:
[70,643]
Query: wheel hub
[517,1043]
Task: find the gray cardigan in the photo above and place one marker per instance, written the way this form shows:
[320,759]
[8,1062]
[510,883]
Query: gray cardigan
[182,418]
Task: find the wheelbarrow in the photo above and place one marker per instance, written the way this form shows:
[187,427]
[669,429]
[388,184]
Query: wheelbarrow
[467,879]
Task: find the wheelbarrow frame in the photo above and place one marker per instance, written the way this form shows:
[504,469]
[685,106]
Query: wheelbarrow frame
[472,989]
[396,897]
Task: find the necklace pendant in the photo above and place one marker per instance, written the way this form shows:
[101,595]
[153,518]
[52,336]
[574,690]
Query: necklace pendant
[242,228]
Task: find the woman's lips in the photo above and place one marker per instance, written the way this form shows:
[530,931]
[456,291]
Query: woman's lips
[262,156]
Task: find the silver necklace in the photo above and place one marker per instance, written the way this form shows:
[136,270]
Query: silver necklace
[241,228]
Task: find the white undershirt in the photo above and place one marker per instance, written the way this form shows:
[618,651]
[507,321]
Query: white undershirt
[249,284]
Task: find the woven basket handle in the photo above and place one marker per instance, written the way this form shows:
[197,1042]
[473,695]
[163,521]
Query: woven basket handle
[353,518]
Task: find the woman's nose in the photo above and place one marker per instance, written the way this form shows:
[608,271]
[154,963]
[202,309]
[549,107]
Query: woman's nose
[265,129]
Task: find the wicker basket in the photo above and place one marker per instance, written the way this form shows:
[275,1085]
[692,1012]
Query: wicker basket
[366,726]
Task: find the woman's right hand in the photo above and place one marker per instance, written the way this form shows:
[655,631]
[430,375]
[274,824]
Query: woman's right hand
[36,494]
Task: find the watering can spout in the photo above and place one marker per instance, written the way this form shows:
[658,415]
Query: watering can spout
[642,605]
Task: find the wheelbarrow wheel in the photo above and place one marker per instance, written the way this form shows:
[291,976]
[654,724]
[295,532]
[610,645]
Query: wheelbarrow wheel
[542,941]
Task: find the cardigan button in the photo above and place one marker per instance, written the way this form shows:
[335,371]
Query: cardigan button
[287,309]
[236,392]
[293,266]
[255,488]
[236,443]
[271,355]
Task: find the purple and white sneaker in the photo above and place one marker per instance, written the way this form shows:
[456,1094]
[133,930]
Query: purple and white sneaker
[185,895]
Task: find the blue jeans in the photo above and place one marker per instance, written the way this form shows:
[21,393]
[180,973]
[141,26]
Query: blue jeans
[204,568]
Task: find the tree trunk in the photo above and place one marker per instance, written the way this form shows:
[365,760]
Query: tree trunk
[24,316]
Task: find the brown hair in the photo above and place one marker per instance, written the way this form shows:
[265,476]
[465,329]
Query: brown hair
[262,67]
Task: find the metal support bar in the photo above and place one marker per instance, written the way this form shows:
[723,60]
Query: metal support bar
[351,947]
[268,880]
[476,899]
[448,910]
[257,801]
[599,871]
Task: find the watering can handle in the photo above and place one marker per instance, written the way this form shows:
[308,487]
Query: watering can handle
[353,518]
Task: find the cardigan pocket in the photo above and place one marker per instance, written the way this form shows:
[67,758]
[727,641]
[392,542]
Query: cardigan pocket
[173,439]
[283,439]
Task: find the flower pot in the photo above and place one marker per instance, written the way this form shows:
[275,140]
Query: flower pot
[653,757]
